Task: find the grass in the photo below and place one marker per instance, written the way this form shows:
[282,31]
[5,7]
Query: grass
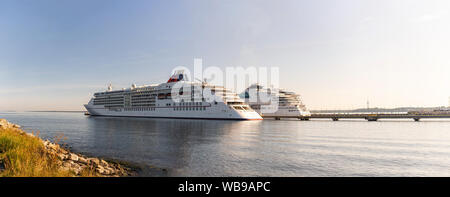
[25,156]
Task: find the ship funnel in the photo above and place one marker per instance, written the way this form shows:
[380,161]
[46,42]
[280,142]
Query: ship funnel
[178,75]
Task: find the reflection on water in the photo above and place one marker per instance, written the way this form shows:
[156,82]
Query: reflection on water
[255,148]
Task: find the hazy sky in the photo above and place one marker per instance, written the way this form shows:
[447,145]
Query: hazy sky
[337,54]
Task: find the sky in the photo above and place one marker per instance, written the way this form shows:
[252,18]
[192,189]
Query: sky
[54,54]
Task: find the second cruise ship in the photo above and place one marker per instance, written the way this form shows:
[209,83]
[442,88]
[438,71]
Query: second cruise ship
[157,101]
[287,105]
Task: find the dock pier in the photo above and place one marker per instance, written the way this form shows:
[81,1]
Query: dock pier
[367,116]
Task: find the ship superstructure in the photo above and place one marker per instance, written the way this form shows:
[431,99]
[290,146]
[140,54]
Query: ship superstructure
[157,101]
[287,105]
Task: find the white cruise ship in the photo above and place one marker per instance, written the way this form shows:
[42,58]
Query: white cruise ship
[157,101]
[289,104]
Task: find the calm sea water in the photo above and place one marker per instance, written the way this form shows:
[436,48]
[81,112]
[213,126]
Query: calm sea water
[255,148]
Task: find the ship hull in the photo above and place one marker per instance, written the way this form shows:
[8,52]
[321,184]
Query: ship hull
[166,112]
[285,114]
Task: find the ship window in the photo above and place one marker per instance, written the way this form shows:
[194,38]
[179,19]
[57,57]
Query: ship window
[237,107]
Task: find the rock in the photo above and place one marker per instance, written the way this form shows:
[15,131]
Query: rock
[63,151]
[53,146]
[111,171]
[103,162]
[106,172]
[100,170]
[67,165]
[73,157]
[74,165]
[94,161]
[63,156]
[83,160]
[76,169]
[4,124]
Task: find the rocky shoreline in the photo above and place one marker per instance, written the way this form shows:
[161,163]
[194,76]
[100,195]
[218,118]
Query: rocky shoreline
[74,162]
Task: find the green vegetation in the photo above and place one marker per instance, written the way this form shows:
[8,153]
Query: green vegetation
[25,156]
